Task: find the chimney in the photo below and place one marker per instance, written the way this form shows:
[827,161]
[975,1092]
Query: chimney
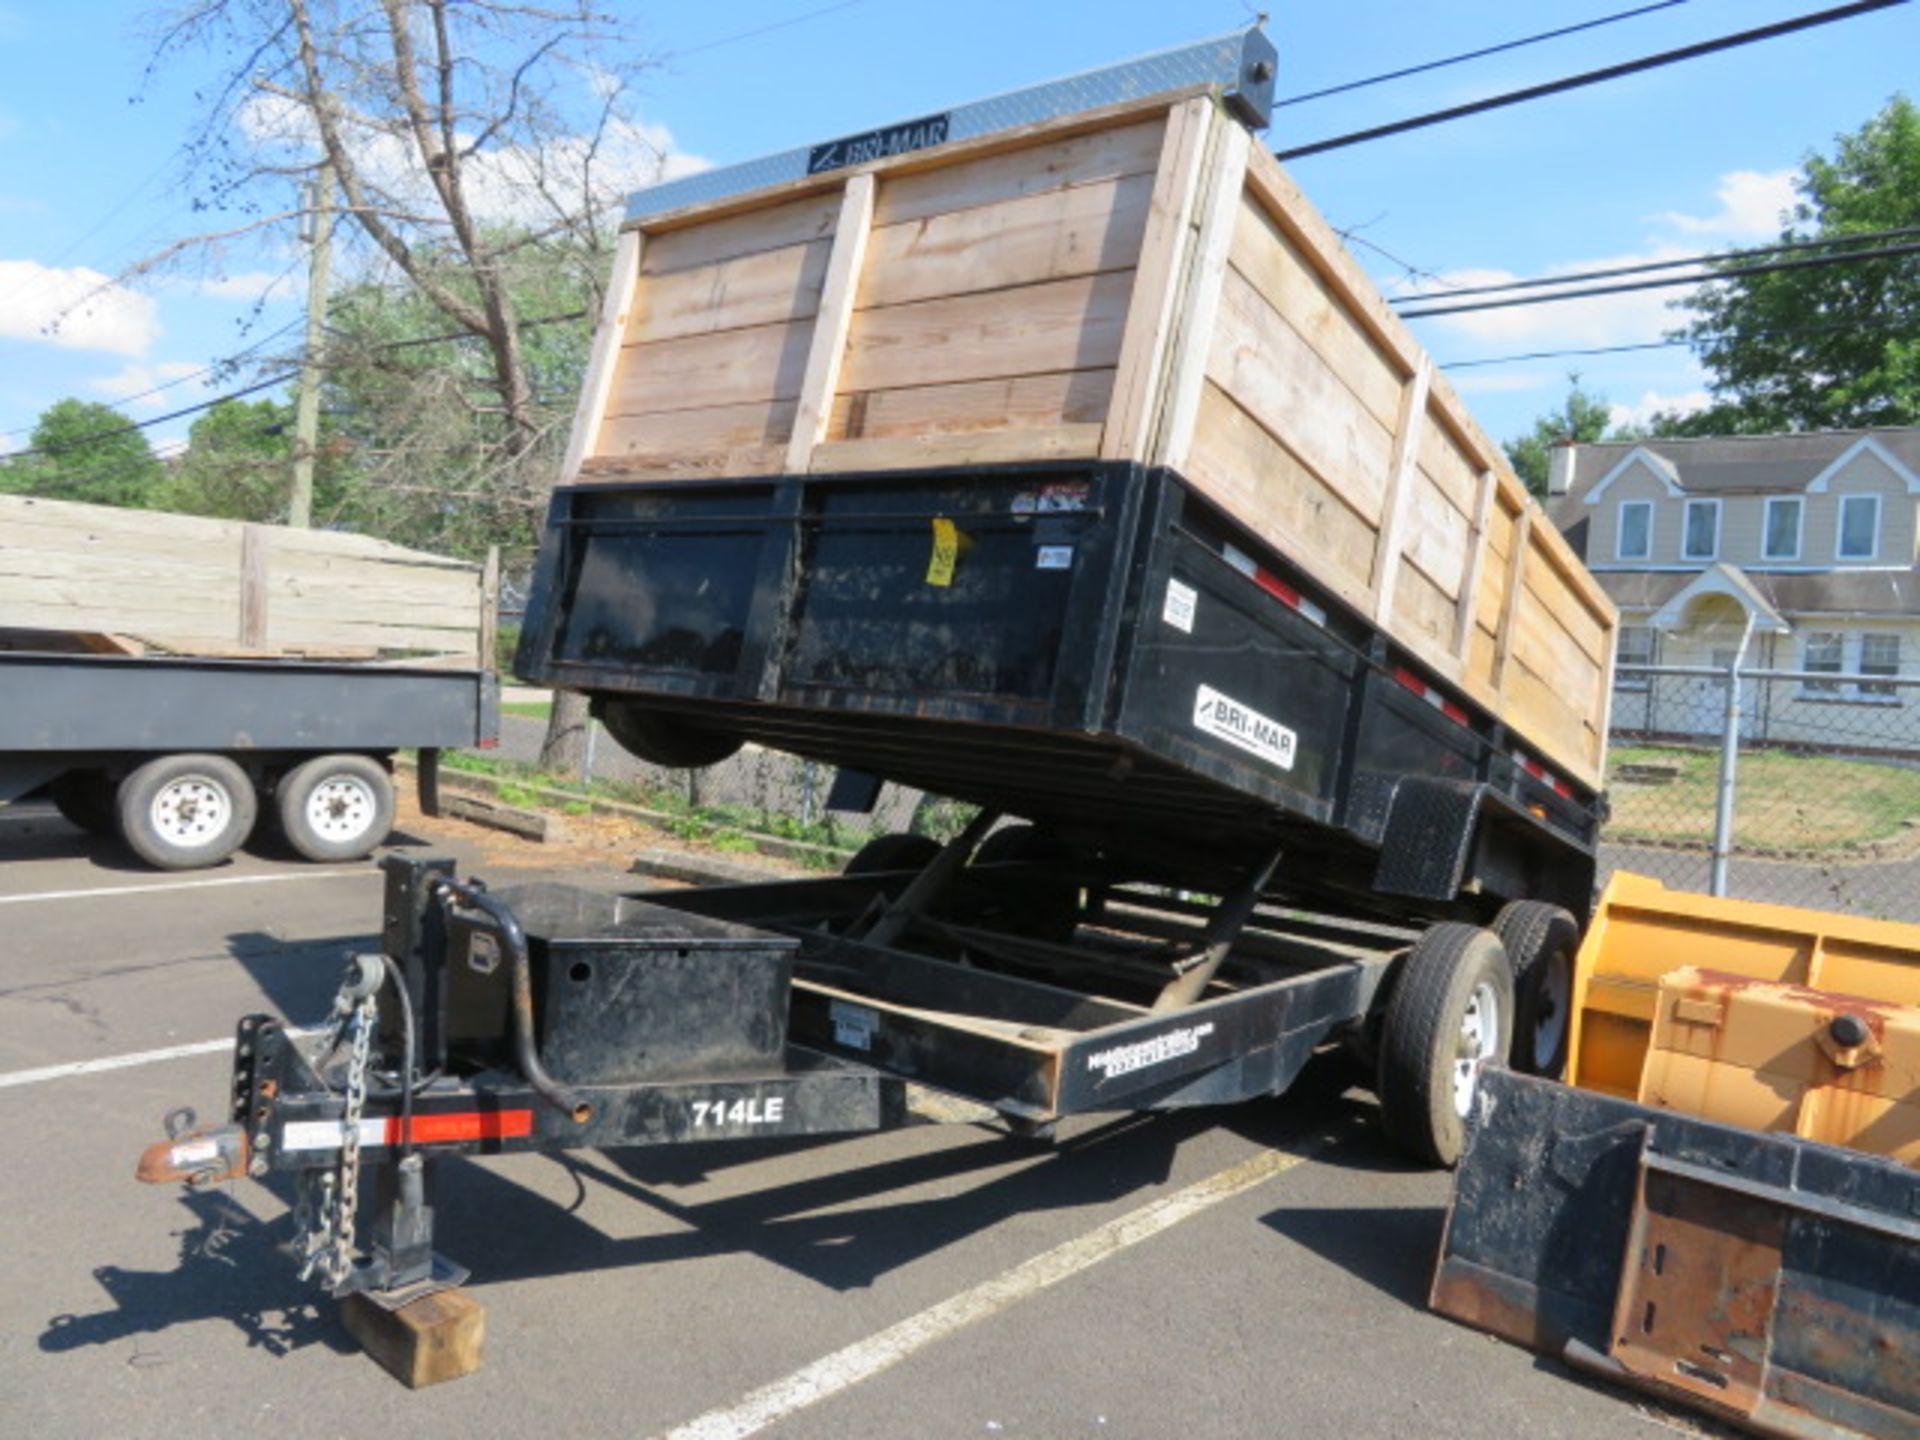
[1560,467]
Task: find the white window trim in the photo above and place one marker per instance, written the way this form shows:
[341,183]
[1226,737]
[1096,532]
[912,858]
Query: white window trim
[1806,690]
[1635,684]
[1686,525]
[1840,526]
[1620,530]
[1862,679]
[1799,526]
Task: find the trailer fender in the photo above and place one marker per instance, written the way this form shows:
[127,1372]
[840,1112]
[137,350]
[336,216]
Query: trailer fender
[1428,838]
[1445,836]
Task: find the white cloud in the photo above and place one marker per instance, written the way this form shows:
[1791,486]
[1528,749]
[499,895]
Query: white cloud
[1475,383]
[79,309]
[248,285]
[1652,403]
[137,380]
[1751,204]
[505,184]
[1592,321]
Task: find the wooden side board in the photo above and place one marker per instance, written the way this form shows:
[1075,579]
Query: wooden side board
[197,586]
[1143,283]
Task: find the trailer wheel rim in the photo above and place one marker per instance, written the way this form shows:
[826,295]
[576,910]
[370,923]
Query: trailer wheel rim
[1479,1042]
[190,811]
[1552,1009]
[341,808]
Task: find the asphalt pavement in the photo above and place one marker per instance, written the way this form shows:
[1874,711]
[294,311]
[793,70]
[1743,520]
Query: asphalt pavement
[1256,1271]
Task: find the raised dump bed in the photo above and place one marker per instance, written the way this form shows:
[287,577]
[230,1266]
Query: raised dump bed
[988,346]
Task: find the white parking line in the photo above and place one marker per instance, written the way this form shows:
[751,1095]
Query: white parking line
[864,1359]
[112,1062]
[128,1061]
[160,886]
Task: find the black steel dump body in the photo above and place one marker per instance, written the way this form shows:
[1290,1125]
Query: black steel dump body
[1092,646]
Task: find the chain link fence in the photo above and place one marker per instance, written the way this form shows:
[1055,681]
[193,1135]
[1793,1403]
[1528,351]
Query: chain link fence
[1800,787]
[1796,787]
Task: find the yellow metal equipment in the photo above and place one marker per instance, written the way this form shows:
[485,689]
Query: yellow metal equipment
[1642,931]
[1838,1068]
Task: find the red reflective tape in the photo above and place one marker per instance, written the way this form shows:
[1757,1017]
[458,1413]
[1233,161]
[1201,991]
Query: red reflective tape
[1277,587]
[464,1125]
[1433,697]
[493,744]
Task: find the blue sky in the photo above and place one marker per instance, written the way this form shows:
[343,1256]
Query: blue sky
[1694,156]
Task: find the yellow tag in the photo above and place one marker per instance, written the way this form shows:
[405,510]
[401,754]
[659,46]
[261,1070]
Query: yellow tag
[946,551]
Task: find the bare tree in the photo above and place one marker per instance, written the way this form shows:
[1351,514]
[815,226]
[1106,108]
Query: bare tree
[468,138]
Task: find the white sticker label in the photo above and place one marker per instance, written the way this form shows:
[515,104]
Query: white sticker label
[853,1025]
[1247,729]
[1181,603]
[328,1134]
[1144,1054]
[1055,557]
[770,1110]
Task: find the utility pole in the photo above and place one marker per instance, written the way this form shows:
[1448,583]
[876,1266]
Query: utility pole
[306,410]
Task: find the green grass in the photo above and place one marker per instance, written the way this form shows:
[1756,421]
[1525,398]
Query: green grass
[1783,801]
[532,709]
[732,829]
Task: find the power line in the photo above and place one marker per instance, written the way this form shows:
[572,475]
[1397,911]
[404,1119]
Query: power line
[1479,54]
[112,431]
[1810,262]
[133,425]
[1590,77]
[767,29]
[1573,277]
[1773,337]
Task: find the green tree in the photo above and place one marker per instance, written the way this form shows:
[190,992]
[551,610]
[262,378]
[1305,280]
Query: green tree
[85,451]
[1825,347]
[1582,417]
[236,463]
[412,426]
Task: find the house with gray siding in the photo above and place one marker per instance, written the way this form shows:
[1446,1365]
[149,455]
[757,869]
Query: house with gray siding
[1799,552]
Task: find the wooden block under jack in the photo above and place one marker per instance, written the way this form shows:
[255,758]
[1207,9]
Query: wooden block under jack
[437,1337]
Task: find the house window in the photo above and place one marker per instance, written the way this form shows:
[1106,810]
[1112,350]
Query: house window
[1701,539]
[1825,653]
[1781,540]
[1639,645]
[1635,541]
[1879,655]
[1859,527]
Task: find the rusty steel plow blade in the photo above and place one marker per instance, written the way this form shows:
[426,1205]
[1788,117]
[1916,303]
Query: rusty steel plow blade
[1767,1279]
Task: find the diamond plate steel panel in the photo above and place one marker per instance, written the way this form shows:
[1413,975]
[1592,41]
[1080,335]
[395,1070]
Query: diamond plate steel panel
[1240,62]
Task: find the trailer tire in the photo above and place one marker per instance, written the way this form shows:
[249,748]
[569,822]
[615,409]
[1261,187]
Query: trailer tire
[1541,941]
[335,808]
[897,851]
[665,740]
[181,812]
[84,799]
[1453,994]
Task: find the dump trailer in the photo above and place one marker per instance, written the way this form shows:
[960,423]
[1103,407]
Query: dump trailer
[1050,454]
[1722,1206]
[175,681]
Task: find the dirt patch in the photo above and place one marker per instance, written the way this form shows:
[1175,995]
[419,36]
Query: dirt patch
[585,842]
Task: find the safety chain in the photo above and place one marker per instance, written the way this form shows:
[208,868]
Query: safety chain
[326,1213]
[341,1264]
